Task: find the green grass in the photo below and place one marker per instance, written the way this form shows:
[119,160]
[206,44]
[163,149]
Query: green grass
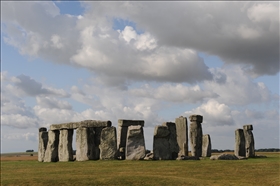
[255,171]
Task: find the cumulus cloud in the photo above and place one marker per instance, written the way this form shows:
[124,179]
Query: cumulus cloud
[214,113]
[235,87]
[32,88]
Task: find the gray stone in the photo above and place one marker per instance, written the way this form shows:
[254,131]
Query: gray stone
[239,143]
[182,135]
[196,118]
[224,157]
[122,134]
[249,141]
[65,150]
[108,143]
[149,156]
[51,153]
[127,123]
[135,143]
[161,147]
[206,145]
[196,135]
[85,124]
[42,129]
[173,145]
[43,142]
[84,144]
[187,158]
[97,137]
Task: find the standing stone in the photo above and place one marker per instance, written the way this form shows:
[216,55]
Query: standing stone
[43,142]
[161,147]
[239,143]
[51,154]
[108,143]
[84,144]
[65,150]
[135,143]
[173,145]
[196,135]
[249,141]
[206,145]
[182,135]
[97,137]
[122,134]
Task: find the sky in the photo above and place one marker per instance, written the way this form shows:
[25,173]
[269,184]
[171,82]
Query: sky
[153,61]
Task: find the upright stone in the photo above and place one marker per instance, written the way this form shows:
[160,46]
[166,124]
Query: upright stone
[122,134]
[249,141]
[196,135]
[182,135]
[84,144]
[108,143]
[135,143]
[173,145]
[97,137]
[43,142]
[51,154]
[206,145]
[65,150]
[239,143]
[161,146]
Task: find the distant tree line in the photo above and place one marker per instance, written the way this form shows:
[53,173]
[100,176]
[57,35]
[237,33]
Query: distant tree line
[256,150]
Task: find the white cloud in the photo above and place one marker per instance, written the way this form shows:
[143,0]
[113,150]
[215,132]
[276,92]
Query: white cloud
[214,113]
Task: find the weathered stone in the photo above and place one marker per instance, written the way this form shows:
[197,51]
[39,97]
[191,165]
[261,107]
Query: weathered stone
[249,141]
[161,132]
[43,142]
[196,118]
[127,123]
[161,147]
[173,145]
[149,156]
[239,143]
[108,143]
[65,150]
[97,137]
[196,138]
[224,157]
[122,134]
[84,144]
[85,123]
[182,135]
[51,153]
[206,145]
[42,129]
[135,143]
[187,158]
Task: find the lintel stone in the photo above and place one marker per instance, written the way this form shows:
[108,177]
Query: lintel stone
[127,123]
[85,124]
[197,118]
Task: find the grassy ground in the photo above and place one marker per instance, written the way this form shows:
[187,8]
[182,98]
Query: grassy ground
[255,171]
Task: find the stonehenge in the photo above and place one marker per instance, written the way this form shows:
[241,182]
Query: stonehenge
[196,135]
[244,142]
[99,140]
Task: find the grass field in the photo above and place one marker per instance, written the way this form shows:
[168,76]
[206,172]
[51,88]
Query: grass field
[26,170]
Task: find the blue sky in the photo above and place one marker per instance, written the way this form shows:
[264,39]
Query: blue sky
[71,61]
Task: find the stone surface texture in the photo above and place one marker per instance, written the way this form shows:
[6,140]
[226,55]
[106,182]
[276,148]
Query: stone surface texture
[182,135]
[161,147]
[85,124]
[43,142]
[173,144]
[239,143]
[108,143]
[51,153]
[224,157]
[206,146]
[65,150]
[249,141]
[84,144]
[122,134]
[135,143]
[196,135]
